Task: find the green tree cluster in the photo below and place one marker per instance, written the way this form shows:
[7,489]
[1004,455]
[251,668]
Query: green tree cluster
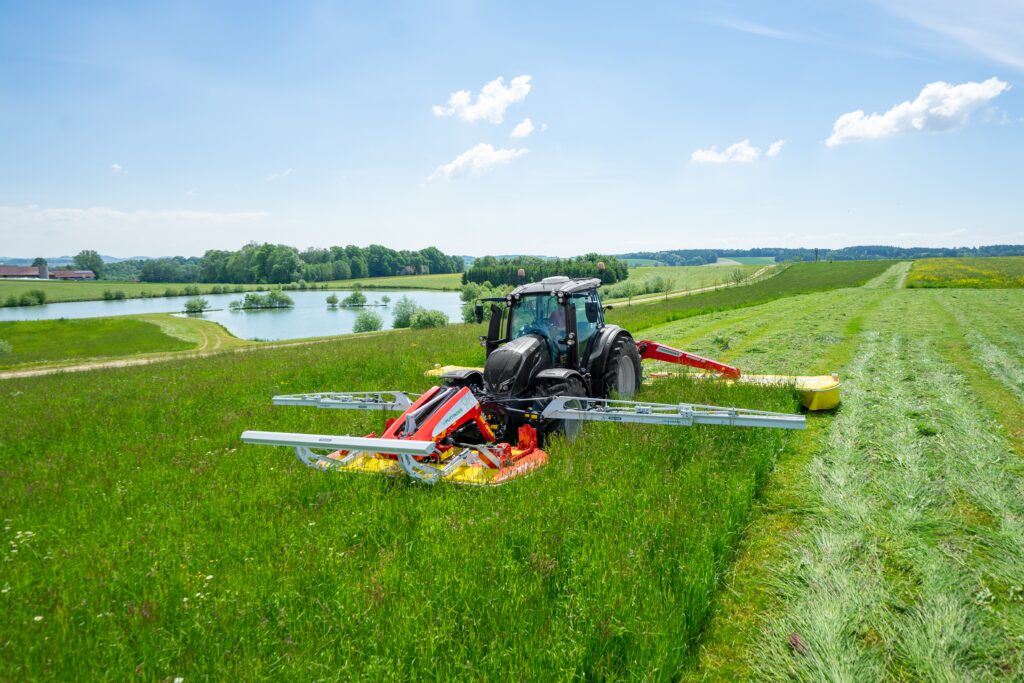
[505,271]
[367,321]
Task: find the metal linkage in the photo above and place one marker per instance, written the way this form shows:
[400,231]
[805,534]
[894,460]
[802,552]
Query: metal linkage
[681,415]
[352,400]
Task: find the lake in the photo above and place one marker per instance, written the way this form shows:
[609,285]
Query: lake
[309,318]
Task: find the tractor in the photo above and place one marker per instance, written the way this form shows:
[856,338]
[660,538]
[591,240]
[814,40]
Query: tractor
[552,363]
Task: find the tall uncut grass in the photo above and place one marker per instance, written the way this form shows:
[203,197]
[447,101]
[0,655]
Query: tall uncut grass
[143,539]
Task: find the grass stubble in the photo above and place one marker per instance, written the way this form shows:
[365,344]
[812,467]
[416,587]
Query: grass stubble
[899,522]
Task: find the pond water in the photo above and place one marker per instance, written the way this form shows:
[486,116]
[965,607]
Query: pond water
[309,318]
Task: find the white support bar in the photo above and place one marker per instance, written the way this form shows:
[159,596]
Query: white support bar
[341,443]
[352,400]
[681,415]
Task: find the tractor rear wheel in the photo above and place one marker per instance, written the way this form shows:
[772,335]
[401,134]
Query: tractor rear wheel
[548,389]
[622,372]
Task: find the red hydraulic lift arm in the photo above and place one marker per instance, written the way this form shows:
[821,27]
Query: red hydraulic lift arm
[655,351]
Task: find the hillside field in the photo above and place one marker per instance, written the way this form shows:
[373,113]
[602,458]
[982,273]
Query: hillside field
[144,540]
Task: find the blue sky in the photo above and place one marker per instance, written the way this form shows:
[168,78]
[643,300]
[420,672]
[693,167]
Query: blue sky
[155,129]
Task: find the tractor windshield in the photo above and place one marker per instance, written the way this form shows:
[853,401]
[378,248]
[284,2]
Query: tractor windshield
[539,314]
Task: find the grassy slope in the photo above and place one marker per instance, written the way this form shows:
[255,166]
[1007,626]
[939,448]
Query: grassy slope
[897,515]
[985,273]
[158,541]
[752,260]
[688,277]
[799,278]
[47,341]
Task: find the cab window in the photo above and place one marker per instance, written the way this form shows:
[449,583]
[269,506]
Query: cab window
[584,328]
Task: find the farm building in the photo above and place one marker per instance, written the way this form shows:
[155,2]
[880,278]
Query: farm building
[43,273]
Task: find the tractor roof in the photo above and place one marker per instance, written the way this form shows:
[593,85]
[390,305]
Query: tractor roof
[557,283]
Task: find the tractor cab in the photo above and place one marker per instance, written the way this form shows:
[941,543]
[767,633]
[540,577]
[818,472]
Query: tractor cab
[565,313]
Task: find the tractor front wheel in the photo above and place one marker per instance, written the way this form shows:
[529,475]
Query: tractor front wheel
[622,372]
[548,389]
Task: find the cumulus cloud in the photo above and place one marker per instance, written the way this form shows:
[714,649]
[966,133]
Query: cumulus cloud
[940,106]
[741,152]
[475,161]
[523,129]
[774,148]
[491,102]
[116,168]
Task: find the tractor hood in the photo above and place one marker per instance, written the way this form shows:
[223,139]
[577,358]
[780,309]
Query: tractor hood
[511,367]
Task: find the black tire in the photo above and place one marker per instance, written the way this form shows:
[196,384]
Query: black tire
[622,372]
[549,388]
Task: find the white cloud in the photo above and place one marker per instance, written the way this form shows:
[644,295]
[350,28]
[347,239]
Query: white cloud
[940,106]
[191,193]
[741,152]
[491,103]
[274,176]
[774,148]
[523,129]
[543,127]
[475,161]
[116,168]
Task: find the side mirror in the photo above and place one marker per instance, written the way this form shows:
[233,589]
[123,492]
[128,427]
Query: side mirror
[608,307]
[592,311]
[478,312]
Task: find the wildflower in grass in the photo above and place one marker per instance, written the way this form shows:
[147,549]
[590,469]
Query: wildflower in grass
[37,618]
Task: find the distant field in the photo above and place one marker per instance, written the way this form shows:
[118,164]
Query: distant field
[444,281]
[799,278]
[38,341]
[750,260]
[997,272]
[93,290]
[640,262]
[681,277]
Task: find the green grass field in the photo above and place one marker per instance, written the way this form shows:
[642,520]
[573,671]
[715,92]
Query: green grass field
[799,278]
[94,290]
[163,540]
[984,273]
[42,341]
[883,543]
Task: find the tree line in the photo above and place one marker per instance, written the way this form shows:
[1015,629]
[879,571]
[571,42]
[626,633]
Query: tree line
[280,264]
[505,271]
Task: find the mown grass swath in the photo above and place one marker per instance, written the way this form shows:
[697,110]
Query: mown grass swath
[150,542]
[982,273]
[40,341]
[800,278]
